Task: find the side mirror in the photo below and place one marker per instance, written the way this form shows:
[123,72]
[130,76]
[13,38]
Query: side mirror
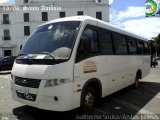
[21,46]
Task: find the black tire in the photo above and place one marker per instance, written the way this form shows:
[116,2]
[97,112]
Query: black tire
[136,83]
[88,100]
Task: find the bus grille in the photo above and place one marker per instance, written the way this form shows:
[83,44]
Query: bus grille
[26,82]
[28,96]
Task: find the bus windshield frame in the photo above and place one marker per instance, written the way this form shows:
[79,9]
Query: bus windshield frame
[55,38]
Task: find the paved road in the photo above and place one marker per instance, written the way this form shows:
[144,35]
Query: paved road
[144,100]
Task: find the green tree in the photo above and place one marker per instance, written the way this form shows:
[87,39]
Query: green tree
[157,41]
[152,45]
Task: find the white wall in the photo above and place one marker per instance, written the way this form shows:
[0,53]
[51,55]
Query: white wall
[7,44]
[89,7]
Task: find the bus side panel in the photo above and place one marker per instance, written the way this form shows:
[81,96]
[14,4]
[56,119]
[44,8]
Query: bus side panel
[114,72]
[145,65]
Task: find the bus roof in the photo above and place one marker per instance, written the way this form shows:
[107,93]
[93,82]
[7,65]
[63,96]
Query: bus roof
[101,24]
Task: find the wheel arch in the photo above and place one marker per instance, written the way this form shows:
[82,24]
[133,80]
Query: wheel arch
[96,83]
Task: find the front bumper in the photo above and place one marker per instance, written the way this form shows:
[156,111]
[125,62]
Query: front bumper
[57,98]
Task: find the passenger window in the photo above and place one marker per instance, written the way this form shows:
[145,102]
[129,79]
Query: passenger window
[120,44]
[88,46]
[105,42]
[91,35]
[146,48]
[132,45]
[140,47]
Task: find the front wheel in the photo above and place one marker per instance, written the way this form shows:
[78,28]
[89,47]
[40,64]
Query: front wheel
[88,99]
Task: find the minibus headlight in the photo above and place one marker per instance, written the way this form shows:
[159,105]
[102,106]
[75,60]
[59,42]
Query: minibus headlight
[54,82]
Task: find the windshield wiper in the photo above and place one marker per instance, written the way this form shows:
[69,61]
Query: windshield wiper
[29,60]
[47,53]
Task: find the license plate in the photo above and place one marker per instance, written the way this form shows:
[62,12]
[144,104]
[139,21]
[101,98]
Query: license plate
[23,90]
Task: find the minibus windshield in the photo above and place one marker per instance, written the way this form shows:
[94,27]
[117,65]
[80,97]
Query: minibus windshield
[55,38]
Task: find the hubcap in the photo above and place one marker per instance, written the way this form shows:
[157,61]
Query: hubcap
[89,100]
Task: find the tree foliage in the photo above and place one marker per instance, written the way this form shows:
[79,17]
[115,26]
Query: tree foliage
[155,45]
[157,39]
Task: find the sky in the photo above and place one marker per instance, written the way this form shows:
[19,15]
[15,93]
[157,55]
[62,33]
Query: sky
[7,1]
[129,15]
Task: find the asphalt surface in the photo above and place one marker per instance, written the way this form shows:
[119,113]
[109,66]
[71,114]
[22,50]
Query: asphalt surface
[142,103]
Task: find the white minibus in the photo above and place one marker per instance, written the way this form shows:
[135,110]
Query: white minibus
[75,61]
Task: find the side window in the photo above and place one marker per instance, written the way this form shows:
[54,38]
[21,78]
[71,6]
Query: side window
[105,42]
[88,46]
[132,45]
[93,37]
[120,44]
[146,48]
[140,46]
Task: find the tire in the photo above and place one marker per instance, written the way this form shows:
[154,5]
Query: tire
[136,83]
[88,100]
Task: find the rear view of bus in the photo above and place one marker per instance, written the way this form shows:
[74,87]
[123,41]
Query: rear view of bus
[73,62]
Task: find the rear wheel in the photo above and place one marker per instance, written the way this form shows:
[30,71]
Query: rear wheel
[136,84]
[88,99]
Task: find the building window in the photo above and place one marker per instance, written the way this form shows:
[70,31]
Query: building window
[98,1]
[44,16]
[26,17]
[26,30]
[99,15]
[7,52]
[25,1]
[62,14]
[6,35]
[80,13]
[6,19]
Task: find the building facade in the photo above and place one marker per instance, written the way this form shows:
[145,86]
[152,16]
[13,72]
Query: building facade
[26,15]
[8,42]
